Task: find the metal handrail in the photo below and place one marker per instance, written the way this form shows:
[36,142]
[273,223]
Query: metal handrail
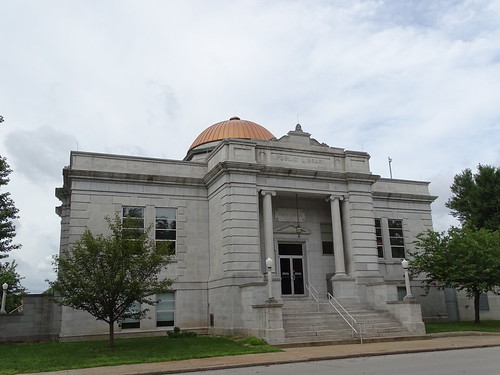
[343,313]
[361,327]
[19,309]
[313,293]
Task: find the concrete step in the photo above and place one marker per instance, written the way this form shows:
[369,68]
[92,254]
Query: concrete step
[306,321]
[320,333]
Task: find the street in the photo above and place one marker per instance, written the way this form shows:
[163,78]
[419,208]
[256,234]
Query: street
[483,361]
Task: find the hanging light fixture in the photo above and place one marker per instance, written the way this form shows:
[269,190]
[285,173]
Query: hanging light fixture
[298,228]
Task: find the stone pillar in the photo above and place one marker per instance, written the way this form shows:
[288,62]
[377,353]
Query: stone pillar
[271,321]
[346,232]
[267,213]
[338,242]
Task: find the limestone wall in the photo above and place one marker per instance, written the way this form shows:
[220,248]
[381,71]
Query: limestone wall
[39,321]
[99,185]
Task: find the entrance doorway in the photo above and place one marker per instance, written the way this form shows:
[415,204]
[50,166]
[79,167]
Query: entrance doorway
[291,269]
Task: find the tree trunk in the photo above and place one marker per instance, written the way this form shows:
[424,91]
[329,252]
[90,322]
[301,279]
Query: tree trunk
[477,294]
[111,334]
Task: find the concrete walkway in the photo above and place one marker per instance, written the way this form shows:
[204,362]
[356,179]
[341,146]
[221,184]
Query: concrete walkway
[300,354]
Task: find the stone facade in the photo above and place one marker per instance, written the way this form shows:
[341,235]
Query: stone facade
[309,207]
[39,320]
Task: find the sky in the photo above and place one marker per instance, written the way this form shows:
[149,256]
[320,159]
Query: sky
[416,81]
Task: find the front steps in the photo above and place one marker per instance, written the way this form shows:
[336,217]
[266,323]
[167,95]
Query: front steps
[305,321]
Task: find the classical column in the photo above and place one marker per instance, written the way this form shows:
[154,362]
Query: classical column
[346,233]
[267,213]
[338,243]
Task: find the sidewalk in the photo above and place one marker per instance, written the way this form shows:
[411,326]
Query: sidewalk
[437,342]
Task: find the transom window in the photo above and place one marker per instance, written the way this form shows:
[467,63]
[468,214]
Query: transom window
[166,228]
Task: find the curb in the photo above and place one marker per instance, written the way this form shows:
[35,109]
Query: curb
[294,355]
[303,360]
[333,356]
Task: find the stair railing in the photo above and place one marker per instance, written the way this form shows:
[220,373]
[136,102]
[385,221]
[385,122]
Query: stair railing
[313,293]
[18,309]
[358,328]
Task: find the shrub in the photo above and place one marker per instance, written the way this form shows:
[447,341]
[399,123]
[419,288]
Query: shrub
[255,341]
[177,332]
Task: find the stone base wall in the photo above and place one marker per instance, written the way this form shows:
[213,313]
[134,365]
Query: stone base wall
[40,320]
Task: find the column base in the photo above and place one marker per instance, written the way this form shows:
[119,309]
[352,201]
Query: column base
[409,298]
[341,276]
[344,287]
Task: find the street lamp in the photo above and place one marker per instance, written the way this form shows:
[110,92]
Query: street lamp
[408,296]
[269,265]
[4,295]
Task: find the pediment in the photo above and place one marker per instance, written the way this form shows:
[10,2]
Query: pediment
[299,137]
[291,229]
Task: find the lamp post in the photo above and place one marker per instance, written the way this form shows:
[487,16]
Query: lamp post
[4,295]
[409,296]
[269,265]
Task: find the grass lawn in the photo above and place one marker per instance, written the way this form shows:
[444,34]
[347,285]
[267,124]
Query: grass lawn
[484,326]
[54,356]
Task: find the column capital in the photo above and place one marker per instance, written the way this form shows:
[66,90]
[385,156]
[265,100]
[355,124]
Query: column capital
[266,192]
[333,197]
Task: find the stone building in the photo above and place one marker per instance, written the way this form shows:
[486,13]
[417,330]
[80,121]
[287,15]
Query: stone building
[242,196]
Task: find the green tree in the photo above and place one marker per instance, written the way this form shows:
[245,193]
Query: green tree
[107,275]
[8,211]
[15,291]
[476,198]
[462,258]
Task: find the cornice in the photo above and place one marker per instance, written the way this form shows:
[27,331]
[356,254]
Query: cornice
[404,197]
[275,171]
[231,166]
[366,178]
[134,177]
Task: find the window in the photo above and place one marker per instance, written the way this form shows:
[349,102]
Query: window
[378,234]
[133,221]
[132,322]
[401,292]
[326,238]
[396,238]
[166,227]
[484,304]
[165,309]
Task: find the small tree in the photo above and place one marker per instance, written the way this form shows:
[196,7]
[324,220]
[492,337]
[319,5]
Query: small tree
[8,211]
[107,275]
[462,258]
[15,291]
[475,198]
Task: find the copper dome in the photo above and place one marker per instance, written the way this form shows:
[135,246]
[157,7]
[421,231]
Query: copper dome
[232,128]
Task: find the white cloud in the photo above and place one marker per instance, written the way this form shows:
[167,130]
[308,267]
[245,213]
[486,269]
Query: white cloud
[414,80]
[39,154]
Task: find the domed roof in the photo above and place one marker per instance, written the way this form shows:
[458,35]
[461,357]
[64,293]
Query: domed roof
[232,128]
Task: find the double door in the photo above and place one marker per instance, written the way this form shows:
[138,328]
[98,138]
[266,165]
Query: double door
[291,268]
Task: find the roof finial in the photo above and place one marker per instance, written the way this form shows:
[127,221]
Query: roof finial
[298,128]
